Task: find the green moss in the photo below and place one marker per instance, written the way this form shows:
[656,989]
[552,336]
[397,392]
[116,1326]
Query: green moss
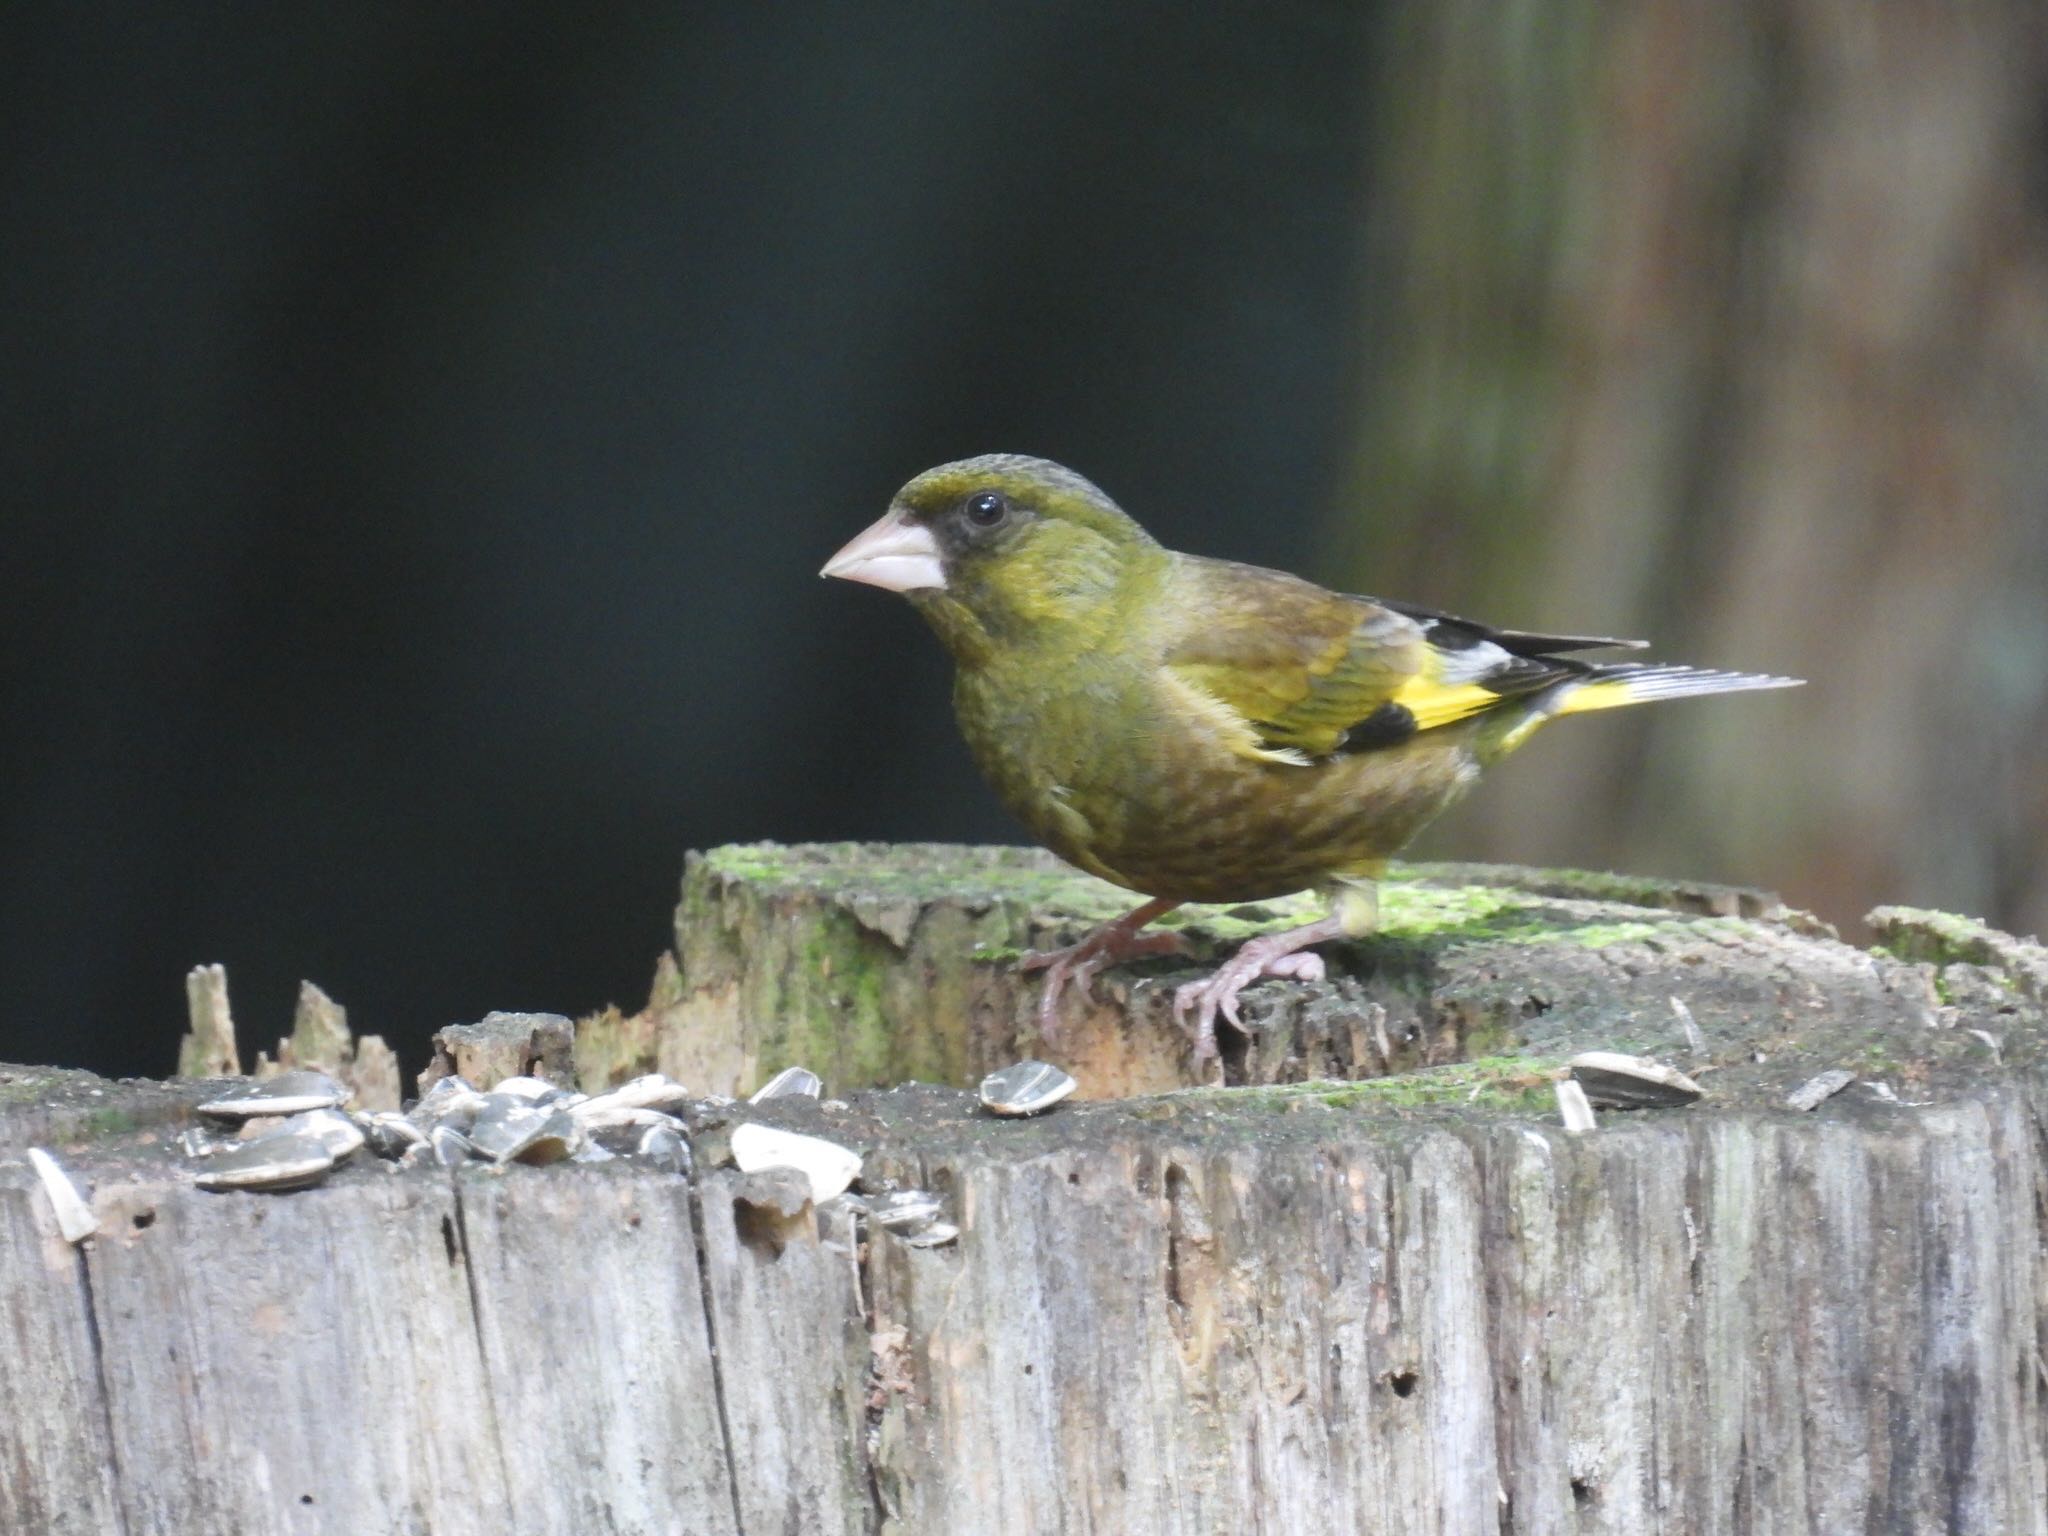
[841,966]
[1920,934]
[1483,914]
[108,1122]
[25,1090]
[1600,935]
[1418,902]
[1426,909]
[1419,919]
[752,862]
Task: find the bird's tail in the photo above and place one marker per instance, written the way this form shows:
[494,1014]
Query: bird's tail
[1626,682]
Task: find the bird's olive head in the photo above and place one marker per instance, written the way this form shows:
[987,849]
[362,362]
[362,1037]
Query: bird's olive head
[998,547]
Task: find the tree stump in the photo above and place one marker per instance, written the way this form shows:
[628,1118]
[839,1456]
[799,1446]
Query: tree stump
[875,964]
[1407,1303]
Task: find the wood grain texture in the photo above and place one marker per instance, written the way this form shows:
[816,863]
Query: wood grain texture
[785,1303]
[303,1364]
[1707,1326]
[1408,1304]
[589,1305]
[57,1473]
[1276,1312]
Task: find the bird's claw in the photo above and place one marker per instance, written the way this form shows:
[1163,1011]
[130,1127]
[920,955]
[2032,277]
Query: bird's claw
[1218,994]
[1303,965]
[1080,963]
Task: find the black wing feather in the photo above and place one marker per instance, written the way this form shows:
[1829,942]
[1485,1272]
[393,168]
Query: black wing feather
[1448,632]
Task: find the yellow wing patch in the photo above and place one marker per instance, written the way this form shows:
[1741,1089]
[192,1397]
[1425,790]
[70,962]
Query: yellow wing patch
[1434,703]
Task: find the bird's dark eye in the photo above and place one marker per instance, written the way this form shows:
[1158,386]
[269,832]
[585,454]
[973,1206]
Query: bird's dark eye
[986,509]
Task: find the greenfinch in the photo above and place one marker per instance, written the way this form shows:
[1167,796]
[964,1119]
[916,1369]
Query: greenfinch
[1197,730]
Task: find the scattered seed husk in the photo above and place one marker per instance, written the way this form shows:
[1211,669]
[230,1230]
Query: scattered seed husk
[652,1091]
[789,1083]
[1695,1041]
[389,1133]
[1027,1088]
[829,1166]
[905,1210]
[1817,1090]
[75,1220]
[614,1117]
[1572,1106]
[558,1139]
[281,1161]
[508,1128]
[1615,1081]
[335,1131]
[534,1090]
[194,1142]
[451,1101]
[450,1147]
[289,1093]
[663,1146]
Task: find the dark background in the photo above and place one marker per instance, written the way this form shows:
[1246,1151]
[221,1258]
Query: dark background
[422,427]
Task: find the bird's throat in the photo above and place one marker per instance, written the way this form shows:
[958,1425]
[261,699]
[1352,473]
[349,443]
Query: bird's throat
[1063,594]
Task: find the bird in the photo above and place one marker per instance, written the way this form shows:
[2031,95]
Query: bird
[1200,730]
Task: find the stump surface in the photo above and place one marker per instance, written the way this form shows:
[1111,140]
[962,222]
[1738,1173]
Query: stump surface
[1406,1303]
[875,964]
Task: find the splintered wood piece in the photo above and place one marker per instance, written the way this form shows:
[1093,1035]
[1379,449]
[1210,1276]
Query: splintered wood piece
[503,1045]
[208,1048]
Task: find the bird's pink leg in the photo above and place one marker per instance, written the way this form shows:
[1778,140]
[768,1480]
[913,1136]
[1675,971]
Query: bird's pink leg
[1274,954]
[1111,944]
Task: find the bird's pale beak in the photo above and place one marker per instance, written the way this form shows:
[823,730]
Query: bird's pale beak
[895,553]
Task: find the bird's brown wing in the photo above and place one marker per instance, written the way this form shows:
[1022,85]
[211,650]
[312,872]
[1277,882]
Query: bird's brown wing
[1303,673]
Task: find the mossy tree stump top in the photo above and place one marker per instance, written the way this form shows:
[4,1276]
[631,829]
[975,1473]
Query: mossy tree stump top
[876,964]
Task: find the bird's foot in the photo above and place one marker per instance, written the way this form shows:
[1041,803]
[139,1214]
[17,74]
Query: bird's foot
[1276,954]
[1111,944]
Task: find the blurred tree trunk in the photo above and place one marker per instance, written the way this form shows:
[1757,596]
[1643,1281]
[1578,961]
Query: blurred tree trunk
[1728,326]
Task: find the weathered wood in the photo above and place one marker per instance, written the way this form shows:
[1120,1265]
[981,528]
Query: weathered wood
[320,1040]
[1303,1311]
[793,1350]
[208,1049]
[1411,1304]
[1320,1322]
[503,1045]
[875,964]
[294,1365]
[597,1356]
[57,1471]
